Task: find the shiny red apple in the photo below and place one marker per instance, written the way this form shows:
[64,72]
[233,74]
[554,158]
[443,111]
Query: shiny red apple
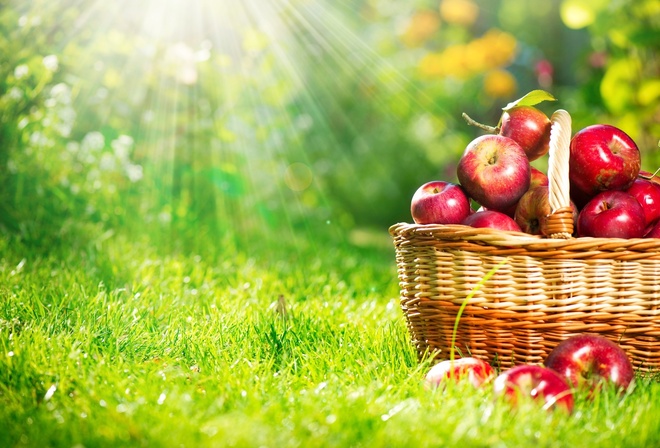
[654,231]
[602,157]
[648,195]
[439,202]
[534,209]
[534,383]
[612,214]
[529,127]
[492,219]
[538,178]
[588,361]
[474,370]
[494,171]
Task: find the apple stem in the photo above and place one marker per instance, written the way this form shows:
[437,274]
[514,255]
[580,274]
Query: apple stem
[485,127]
[655,173]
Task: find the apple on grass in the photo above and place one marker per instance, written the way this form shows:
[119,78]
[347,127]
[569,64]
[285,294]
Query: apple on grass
[589,361]
[534,209]
[529,127]
[494,171]
[602,157]
[474,370]
[647,194]
[612,214]
[530,382]
[439,202]
[493,220]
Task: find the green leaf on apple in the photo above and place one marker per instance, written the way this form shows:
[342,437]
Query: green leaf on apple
[531,99]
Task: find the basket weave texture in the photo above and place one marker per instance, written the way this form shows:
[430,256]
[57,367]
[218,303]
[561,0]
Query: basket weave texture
[542,290]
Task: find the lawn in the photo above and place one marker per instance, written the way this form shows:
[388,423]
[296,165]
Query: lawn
[117,344]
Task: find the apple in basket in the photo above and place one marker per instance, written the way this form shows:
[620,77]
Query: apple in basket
[647,194]
[492,219]
[589,361]
[612,214]
[439,202]
[537,179]
[654,232]
[534,383]
[529,127]
[494,171]
[602,157]
[474,370]
[533,211]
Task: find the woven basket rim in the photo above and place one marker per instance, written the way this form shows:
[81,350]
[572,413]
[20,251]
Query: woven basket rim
[504,238]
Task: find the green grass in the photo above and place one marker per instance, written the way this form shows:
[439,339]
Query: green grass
[117,345]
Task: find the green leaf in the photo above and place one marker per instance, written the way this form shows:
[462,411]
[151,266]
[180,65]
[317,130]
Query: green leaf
[531,99]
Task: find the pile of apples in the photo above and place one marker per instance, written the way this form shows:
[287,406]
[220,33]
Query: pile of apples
[585,363]
[610,196]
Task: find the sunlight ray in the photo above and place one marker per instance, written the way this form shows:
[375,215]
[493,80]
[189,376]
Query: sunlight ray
[243,68]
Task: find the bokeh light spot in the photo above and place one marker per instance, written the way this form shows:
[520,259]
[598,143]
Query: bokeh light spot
[576,14]
[298,176]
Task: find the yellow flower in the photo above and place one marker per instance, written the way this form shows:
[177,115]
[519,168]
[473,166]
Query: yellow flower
[499,84]
[501,47]
[432,65]
[455,61]
[421,27]
[460,12]
[476,55]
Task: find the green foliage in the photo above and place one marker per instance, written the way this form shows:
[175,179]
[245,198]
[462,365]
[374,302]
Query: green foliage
[625,67]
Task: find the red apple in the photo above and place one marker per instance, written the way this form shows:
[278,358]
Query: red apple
[538,178]
[474,370]
[653,232]
[648,195]
[602,157]
[529,127]
[612,214]
[494,171]
[492,219]
[588,361]
[536,383]
[534,209]
[439,202]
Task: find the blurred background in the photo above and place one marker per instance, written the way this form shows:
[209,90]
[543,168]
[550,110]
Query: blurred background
[208,125]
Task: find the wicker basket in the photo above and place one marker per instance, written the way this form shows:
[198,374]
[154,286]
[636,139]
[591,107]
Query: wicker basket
[542,290]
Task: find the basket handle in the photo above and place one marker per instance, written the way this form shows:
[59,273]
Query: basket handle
[560,221]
